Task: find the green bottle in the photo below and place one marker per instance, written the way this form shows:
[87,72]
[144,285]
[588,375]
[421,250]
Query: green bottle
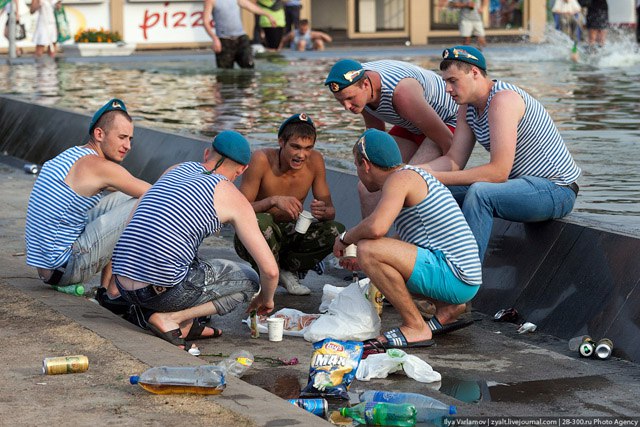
[382,414]
[75,289]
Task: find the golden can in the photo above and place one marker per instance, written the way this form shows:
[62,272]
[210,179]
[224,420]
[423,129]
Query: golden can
[65,365]
[376,298]
[255,332]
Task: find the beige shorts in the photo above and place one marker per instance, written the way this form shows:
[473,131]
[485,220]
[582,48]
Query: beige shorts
[471,28]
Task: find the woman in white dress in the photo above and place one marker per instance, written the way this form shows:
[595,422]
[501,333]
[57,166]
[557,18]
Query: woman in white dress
[46,34]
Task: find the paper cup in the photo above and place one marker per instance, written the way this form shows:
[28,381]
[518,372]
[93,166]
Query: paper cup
[350,251]
[304,221]
[276,328]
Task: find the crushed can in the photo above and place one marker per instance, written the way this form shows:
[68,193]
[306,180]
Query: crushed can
[317,407]
[31,168]
[255,332]
[604,348]
[587,347]
[65,365]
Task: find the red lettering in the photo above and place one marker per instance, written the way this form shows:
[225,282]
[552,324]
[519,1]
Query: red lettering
[165,15]
[150,20]
[181,16]
[198,21]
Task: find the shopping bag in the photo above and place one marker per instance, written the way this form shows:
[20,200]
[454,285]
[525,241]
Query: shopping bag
[64,33]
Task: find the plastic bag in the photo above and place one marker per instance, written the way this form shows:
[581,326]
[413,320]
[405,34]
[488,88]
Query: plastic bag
[329,293]
[62,25]
[383,364]
[350,317]
[295,321]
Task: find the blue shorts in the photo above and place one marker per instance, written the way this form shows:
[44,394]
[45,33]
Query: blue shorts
[432,277]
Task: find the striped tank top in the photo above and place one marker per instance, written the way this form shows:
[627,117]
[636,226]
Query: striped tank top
[540,149]
[168,226]
[391,72]
[56,214]
[437,224]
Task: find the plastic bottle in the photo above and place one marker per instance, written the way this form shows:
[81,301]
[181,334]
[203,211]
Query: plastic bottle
[427,408]
[382,414]
[238,363]
[76,289]
[204,379]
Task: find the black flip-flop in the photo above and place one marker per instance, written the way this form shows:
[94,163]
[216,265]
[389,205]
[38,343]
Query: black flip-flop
[438,328]
[172,336]
[195,333]
[395,339]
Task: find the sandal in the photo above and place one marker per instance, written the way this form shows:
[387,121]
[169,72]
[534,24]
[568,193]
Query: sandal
[395,339]
[195,333]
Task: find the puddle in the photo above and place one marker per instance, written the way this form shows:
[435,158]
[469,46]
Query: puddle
[542,391]
[279,381]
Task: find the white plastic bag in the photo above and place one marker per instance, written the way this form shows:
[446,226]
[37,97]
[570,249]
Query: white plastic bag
[350,317]
[393,360]
[295,321]
[329,293]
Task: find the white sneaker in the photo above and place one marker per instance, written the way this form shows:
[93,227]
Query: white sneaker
[290,281]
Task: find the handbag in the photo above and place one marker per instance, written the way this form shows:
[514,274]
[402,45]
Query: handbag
[64,32]
[21,31]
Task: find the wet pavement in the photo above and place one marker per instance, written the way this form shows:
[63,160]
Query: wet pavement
[488,369]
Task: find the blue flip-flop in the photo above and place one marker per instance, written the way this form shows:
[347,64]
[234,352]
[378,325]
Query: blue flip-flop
[438,328]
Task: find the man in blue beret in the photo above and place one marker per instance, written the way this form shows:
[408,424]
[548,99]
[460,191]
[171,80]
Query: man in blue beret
[434,256]
[413,100]
[277,183]
[530,177]
[156,264]
[73,223]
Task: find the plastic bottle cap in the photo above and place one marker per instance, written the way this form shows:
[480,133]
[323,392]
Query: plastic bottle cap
[452,410]
[134,379]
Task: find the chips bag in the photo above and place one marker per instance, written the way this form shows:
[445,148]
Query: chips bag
[333,366]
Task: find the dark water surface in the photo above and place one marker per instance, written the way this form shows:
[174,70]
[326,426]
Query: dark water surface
[595,103]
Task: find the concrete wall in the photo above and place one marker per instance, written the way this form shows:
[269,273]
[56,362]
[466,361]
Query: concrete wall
[570,277]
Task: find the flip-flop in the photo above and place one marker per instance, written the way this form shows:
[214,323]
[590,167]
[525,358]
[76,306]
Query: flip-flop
[438,328]
[172,336]
[395,339]
[195,333]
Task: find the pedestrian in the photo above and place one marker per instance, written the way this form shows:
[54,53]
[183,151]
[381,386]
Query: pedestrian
[303,38]
[72,226]
[597,23]
[470,22]
[45,36]
[156,263]
[230,42]
[292,15]
[531,176]
[276,184]
[273,33]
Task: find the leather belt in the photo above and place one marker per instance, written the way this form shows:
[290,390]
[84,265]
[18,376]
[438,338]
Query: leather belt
[574,187]
[56,275]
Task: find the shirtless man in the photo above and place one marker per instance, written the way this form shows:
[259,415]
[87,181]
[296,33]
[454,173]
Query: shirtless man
[277,183]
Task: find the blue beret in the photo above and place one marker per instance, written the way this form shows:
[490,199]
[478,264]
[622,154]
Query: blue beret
[379,148]
[232,145]
[343,74]
[296,118]
[114,104]
[468,54]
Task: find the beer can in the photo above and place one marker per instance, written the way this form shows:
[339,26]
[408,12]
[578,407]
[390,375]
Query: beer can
[255,332]
[65,365]
[31,168]
[317,407]
[376,298]
[587,347]
[604,348]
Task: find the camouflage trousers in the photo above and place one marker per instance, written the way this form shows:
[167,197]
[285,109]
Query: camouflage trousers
[294,251]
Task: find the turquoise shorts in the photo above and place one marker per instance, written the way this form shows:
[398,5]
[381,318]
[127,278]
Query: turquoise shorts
[432,277]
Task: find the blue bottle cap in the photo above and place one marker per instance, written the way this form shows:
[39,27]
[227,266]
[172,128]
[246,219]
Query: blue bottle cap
[452,410]
[134,379]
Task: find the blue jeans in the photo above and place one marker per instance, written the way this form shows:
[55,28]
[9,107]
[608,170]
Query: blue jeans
[92,251]
[224,283]
[524,199]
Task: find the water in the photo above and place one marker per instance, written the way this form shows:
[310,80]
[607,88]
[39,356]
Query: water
[594,102]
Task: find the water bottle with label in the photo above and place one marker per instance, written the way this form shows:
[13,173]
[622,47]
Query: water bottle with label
[204,379]
[238,363]
[382,414]
[427,408]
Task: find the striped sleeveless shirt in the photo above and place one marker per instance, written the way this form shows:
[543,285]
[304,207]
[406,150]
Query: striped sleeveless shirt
[437,224]
[56,214]
[391,72]
[168,226]
[540,149]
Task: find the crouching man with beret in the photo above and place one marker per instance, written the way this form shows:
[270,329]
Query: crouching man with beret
[155,262]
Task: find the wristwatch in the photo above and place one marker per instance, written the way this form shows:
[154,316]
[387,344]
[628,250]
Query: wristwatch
[342,238]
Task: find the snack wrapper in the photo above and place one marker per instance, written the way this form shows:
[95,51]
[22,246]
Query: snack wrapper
[333,367]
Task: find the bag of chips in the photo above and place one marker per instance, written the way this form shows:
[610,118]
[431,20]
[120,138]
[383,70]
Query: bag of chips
[333,366]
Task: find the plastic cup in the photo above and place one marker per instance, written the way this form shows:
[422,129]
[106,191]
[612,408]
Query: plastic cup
[304,221]
[350,251]
[276,328]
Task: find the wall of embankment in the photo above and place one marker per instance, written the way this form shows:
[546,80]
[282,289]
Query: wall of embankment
[570,277]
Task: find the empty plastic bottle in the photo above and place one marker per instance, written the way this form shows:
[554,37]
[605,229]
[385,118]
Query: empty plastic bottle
[204,379]
[427,408]
[75,289]
[382,414]
[238,363]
